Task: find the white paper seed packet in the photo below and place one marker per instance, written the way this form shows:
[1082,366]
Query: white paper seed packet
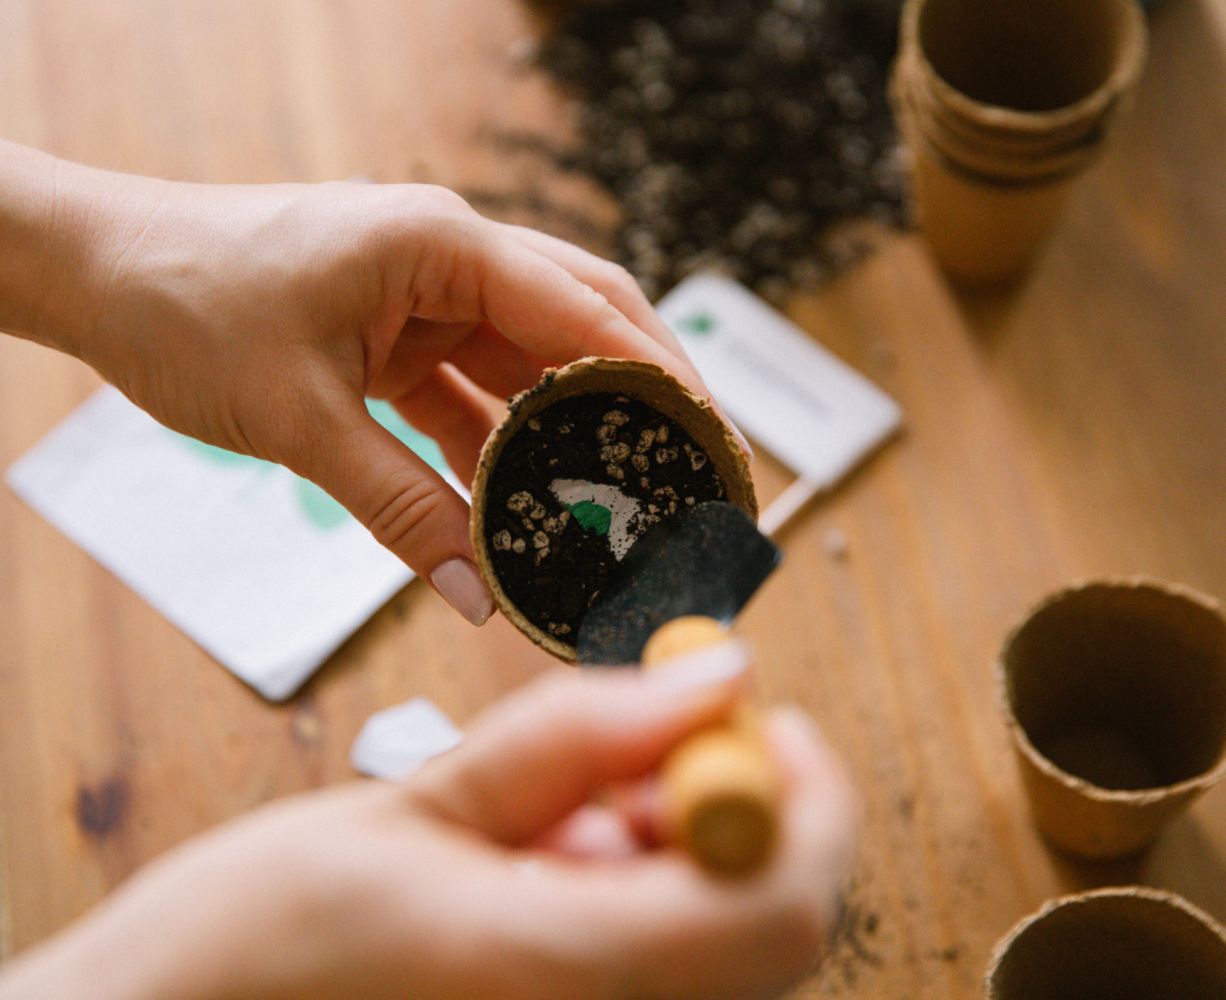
[397,741]
[260,567]
[787,393]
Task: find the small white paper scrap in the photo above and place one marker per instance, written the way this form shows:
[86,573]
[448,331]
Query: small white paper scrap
[796,399]
[260,567]
[397,741]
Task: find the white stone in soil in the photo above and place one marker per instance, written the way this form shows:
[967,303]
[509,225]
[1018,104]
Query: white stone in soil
[624,510]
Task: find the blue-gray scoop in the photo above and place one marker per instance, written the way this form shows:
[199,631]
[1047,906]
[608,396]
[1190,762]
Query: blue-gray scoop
[705,560]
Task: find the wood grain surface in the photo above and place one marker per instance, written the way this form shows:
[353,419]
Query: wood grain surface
[1075,428]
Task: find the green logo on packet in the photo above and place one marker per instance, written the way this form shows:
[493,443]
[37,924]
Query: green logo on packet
[700,323]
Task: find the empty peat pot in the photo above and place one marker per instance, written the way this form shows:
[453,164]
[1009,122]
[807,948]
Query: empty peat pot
[1111,944]
[1003,104]
[584,463]
[1114,693]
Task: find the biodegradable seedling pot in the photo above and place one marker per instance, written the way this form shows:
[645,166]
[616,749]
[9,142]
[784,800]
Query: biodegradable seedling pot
[585,461]
[1003,105]
[1123,944]
[1114,694]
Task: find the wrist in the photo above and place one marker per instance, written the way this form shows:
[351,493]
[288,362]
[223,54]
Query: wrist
[56,222]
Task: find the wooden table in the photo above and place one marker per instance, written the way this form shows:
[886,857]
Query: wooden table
[1073,430]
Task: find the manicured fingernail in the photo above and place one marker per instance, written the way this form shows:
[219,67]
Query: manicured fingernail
[795,725]
[704,668]
[461,586]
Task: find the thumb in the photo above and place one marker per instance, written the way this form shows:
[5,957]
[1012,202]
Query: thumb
[535,758]
[406,505]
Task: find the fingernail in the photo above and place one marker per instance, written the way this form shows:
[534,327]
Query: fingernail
[796,725]
[703,668]
[461,586]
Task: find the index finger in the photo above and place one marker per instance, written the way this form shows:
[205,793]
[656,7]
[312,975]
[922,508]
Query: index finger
[614,281]
[539,305]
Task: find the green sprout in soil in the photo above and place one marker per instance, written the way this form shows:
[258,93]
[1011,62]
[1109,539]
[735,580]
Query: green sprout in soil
[592,516]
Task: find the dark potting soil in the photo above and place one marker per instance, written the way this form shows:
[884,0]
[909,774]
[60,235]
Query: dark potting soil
[551,558]
[733,134]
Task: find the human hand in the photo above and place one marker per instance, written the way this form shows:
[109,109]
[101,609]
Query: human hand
[257,318]
[490,874]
